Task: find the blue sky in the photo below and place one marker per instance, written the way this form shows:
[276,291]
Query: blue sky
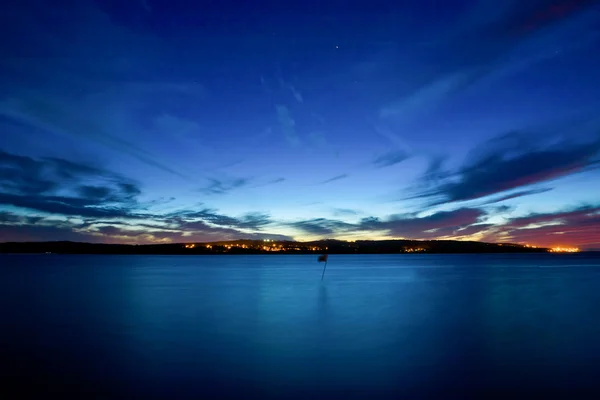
[172,121]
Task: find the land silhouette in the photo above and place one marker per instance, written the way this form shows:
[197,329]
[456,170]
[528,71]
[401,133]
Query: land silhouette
[274,247]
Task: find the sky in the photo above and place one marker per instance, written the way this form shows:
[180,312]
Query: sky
[154,121]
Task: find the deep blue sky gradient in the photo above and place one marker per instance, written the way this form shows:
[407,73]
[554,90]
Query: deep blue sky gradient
[150,120]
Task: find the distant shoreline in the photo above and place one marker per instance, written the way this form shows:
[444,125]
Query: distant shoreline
[592,252]
[259,247]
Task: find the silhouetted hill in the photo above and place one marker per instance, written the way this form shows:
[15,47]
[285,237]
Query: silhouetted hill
[270,247]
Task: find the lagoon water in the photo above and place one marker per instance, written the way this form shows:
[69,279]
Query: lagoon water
[377,326]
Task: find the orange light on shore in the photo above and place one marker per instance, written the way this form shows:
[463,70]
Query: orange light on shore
[564,250]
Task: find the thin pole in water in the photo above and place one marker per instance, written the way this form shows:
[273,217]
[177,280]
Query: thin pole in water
[325,266]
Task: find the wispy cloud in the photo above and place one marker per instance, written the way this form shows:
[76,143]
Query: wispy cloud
[57,186]
[295,92]
[390,158]
[254,221]
[578,226]
[263,183]
[50,197]
[74,94]
[71,201]
[288,125]
[487,45]
[571,227]
[517,194]
[317,139]
[517,160]
[393,137]
[178,127]
[426,97]
[335,178]
[344,212]
[223,186]
[321,226]
[52,115]
[438,225]
[119,233]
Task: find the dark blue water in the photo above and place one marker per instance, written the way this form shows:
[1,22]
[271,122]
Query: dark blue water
[422,326]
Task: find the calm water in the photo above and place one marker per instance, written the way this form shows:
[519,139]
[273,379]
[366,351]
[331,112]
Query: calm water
[267,327]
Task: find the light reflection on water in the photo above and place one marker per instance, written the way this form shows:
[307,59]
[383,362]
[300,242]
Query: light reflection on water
[170,326]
